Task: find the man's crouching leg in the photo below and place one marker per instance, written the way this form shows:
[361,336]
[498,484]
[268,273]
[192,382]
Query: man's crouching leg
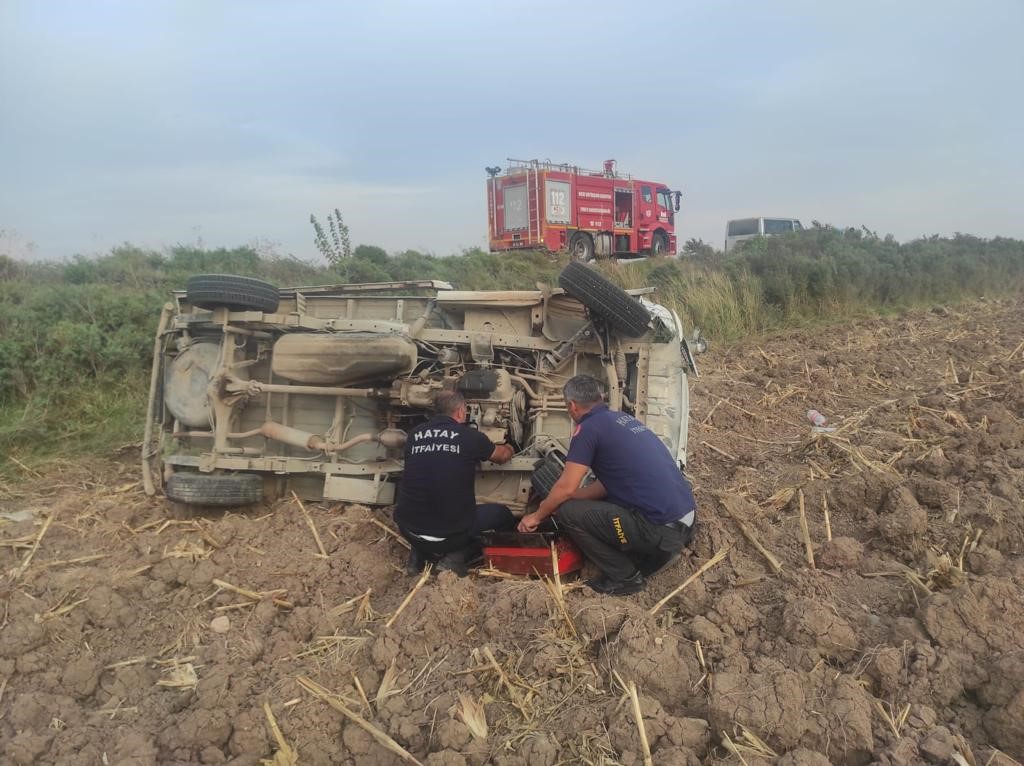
[416,561]
[670,542]
[489,517]
[602,530]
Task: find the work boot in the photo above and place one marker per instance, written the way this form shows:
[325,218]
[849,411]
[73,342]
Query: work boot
[651,565]
[415,563]
[453,562]
[632,584]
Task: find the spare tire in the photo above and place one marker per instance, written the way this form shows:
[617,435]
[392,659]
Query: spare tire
[220,489]
[611,303]
[211,291]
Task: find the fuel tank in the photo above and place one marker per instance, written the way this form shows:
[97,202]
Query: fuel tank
[342,358]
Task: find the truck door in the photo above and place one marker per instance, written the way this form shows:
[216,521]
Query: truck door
[645,204]
[665,214]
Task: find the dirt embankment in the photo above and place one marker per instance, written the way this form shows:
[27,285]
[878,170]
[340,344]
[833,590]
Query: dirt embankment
[130,637]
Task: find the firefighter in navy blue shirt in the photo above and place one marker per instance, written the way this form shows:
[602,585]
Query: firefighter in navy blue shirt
[437,510]
[639,514]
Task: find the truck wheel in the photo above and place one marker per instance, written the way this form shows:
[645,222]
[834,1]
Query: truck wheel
[614,305]
[220,489]
[211,291]
[581,247]
[659,245]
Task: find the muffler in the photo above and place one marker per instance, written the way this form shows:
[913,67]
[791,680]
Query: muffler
[391,438]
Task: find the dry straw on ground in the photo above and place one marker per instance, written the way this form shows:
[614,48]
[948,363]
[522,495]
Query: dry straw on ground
[285,755]
[705,567]
[336,702]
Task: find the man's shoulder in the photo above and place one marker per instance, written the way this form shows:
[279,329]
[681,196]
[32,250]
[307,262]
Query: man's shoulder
[603,418]
[440,424]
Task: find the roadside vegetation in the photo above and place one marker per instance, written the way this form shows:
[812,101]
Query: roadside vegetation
[76,336]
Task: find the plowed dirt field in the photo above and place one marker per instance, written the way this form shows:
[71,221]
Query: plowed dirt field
[131,635]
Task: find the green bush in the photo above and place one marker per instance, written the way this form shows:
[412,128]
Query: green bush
[76,337]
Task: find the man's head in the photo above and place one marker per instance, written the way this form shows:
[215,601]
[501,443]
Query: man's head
[451,403]
[581,394]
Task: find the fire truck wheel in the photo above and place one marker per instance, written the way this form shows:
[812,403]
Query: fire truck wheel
[581,247]
[659,245]
[614,305]
[210,291]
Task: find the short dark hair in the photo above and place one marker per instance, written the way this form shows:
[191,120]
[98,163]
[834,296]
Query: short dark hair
[447,401]
[584,390]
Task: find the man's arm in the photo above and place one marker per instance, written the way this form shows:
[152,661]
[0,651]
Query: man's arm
[593,491]
[567,484]
[502,454]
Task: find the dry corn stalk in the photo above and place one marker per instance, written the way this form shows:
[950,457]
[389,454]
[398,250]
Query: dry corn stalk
[180,676]
[748,533]
[721,452]
[349,605]
[255,595]
[705,567]
[804,531]
[747,742]
[187,549]
[516,698]
[35,546]
[639,718]
[895,720]
[415,588]
[473,714]
[388,684]
[362,692]
[335,702]
[398,538]
[79,560]
[285,755]
[312,527]
[554,588]
[781,498]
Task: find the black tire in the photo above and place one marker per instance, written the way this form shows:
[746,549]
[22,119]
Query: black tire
[659,245]
[581,247]
[211,291]
[219,489]
[614,305]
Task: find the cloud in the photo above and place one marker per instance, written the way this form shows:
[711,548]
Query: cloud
[152,122]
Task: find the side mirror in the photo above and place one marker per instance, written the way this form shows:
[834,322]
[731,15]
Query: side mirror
[678,195]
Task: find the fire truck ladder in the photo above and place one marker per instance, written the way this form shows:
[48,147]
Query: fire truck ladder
[538,165]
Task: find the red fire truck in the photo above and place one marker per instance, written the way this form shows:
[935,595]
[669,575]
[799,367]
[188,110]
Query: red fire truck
[533,204]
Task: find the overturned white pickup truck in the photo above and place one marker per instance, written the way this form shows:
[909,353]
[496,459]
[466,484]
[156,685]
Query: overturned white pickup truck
[257,392]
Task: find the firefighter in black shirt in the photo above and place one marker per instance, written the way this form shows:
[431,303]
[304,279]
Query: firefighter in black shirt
[437,510]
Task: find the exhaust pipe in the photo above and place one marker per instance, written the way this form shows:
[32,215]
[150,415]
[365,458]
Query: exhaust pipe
[391,438]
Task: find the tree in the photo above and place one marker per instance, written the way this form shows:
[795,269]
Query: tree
[698,248]
[339,246]
[371,253]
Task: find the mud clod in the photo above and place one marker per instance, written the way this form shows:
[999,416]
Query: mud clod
[809,623]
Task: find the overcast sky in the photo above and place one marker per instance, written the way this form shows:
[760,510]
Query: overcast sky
[230,122]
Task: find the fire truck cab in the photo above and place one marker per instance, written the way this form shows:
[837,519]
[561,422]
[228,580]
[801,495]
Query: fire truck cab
[590,214]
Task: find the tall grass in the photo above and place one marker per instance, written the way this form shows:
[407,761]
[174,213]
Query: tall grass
[75,337]
[723,307]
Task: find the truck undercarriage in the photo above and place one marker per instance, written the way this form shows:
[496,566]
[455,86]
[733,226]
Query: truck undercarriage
[258,392]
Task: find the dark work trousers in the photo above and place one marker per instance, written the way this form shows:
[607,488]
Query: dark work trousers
[619,540]
[487,518]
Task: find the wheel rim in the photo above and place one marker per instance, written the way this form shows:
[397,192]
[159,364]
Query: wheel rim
[580,251]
